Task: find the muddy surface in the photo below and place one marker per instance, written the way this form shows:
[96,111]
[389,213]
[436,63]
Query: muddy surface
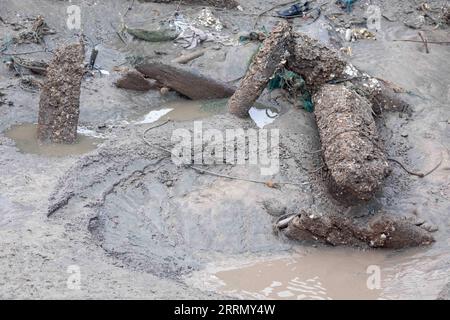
[137,226]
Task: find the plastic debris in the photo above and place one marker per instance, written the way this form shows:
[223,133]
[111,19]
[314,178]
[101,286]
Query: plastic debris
[190,34]
[296,10]
[207,19]
[358,34]
[191,37]
[346,4]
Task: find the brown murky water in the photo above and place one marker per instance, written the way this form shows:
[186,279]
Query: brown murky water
[25,137]
[327,274]
[188,110]
[184,110]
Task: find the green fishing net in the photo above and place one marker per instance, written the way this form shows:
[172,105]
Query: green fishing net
[292,81]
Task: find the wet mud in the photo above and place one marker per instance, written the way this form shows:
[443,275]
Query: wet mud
[140,227]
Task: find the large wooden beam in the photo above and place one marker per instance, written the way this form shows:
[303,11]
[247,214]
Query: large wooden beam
[379,231]
[271,57]
[351,147]
[190,84]
[320,64]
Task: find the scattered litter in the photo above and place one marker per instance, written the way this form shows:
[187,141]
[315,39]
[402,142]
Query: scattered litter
[154,116]
[207,19]
[191,36]
[185,32]
[296,10]
[358,34]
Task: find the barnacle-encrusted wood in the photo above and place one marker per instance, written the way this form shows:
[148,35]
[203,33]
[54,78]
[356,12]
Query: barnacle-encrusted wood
[272,56]
[351,146]
[59,105]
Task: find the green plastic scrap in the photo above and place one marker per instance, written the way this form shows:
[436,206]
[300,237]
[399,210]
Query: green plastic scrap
[289,80]
[162,35]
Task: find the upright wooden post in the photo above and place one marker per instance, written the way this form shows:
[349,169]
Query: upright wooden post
[59,105]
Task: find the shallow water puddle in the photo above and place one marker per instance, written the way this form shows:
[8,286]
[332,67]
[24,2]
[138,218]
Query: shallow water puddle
[325,274]
[318,276]
[188,110]
[25,137]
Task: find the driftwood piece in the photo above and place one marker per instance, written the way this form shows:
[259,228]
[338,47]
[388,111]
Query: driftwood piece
[320,64]
[270,58]
[380,231]
[133,80]
[314,61]
[59,105]
[190,84]
[185,58]
[229,4]
[351,146]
